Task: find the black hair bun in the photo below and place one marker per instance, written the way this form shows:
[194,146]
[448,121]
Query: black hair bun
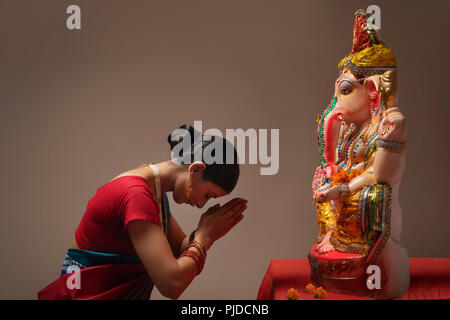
[220,172]
[177,136]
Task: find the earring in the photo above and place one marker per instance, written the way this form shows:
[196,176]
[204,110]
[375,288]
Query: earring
[372,108]
[188,187]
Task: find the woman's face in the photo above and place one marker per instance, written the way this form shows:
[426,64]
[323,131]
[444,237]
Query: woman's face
[199,191]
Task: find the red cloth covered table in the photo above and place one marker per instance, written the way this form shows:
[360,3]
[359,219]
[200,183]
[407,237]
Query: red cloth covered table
[430,279]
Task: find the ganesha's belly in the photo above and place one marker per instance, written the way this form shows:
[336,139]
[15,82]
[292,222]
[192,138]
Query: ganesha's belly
[367,219]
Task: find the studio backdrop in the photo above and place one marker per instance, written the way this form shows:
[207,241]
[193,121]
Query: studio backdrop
[80,106]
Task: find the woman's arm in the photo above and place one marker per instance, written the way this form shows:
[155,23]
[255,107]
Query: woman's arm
[170,275]
[177,238]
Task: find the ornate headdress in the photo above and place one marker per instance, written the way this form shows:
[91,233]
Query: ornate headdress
[369,56]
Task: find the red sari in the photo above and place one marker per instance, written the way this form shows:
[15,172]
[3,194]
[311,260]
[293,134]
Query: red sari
[98,273]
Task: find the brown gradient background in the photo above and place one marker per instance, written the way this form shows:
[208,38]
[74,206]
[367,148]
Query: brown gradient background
[79,107]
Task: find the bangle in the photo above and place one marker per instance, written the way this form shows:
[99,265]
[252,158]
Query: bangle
[198,245]
[197,257]
[343,189]
[191,237]
[391,145]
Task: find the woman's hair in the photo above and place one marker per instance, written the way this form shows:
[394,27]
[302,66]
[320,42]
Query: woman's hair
[223,173]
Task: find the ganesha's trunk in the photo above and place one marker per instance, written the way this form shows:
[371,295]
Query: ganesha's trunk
[328,135]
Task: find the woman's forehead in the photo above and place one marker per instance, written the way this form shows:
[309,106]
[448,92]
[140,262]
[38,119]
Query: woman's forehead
[211,186]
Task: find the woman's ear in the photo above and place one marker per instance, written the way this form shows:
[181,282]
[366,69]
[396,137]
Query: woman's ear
[196,167]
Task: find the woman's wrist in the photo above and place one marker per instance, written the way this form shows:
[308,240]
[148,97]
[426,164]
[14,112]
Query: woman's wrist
[196,255]
[192,235]
[197,245]
[203,239]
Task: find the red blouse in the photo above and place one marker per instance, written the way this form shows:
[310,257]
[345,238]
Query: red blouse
[114,205]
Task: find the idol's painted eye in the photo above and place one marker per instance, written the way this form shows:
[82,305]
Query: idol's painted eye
[206,196]
[345,87]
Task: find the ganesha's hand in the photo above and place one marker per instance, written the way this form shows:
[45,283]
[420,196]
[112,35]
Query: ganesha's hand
[393,125]
[331,194]
[318,177]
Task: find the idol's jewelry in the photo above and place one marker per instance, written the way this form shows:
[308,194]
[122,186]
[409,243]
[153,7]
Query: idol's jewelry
[344,154]
[324,187]
[353,80]
[360,140]
[343,189]
[391,145]
[321,136]
[387,144]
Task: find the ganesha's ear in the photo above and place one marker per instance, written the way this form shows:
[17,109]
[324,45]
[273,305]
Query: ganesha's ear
[387,89]
[371,89]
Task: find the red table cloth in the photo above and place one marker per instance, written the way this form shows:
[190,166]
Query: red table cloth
[430,279]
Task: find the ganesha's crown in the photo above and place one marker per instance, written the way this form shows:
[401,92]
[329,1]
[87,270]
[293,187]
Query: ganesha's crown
[369,56]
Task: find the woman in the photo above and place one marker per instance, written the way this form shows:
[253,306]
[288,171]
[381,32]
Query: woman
[127,240]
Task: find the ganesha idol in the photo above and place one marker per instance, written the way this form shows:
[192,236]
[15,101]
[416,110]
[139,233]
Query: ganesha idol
[362,138]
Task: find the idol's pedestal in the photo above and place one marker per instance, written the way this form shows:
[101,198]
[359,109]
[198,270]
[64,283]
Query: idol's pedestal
[341,272]
[430,279]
